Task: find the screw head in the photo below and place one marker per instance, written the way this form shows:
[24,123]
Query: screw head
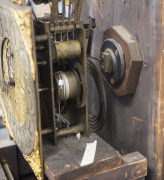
[78,136]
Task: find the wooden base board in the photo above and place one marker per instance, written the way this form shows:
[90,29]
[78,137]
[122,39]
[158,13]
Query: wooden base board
[63,161]
[134,166]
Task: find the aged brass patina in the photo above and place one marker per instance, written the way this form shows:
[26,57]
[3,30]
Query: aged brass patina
[17,1]
[34,159]
[25,95]
[12,74]
[67,49]
[23,19]
[18,97]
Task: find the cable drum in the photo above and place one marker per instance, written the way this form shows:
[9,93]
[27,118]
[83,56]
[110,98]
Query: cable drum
[69,89]
[96,122]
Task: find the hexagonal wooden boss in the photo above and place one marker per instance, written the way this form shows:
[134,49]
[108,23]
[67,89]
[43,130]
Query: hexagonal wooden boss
[133,60]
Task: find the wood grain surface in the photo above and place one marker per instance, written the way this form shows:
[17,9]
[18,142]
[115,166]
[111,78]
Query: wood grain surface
[135,122]
[64,160]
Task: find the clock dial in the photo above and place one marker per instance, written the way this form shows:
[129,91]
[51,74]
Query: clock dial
[18,89]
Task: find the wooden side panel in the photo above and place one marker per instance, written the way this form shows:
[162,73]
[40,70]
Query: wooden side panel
[135,122]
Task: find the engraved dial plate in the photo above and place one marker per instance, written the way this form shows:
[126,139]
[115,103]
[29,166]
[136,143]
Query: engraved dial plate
[18,89]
